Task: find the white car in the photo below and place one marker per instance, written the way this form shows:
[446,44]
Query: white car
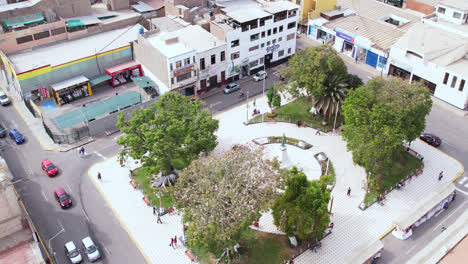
[4,99]
[259,76]
[90,248]
[73,253]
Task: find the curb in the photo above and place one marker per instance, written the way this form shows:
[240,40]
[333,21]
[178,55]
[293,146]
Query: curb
[113,210]
[77,146]
[387,232]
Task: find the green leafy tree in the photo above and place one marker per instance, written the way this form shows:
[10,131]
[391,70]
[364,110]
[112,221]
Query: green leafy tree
[331,100]
[302,210]
[222,194]
[276,100]
[172,129]
[353,81]
[270,94]
[379,116]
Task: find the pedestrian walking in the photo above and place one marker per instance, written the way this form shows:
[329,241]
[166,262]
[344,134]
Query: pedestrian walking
[318,131]
[99,176]
[154,210]
[355,59]
[441,175]
[159,219]
[349,191]
[175,241]
[254,102]
[172,243]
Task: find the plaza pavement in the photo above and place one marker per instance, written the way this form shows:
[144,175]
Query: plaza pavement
[353,227]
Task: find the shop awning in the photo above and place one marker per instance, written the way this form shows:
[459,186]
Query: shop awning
[144,81]
[69,82]
[74,23]
[24,20]
[99,79]
[122,67]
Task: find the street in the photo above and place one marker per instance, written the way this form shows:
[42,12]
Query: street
[89,215]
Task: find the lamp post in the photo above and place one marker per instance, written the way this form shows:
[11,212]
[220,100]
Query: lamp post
[336,114]
[264,69]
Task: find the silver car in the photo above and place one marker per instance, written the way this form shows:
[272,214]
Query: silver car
[260,76]
[232,87]
[90,248]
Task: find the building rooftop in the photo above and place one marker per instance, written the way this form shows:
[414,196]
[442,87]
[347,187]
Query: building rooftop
[461,5]
[429,2]
[81,48]
[20,5]
[161,41]
[381,34]
[447,50]
[198,38]
[167,24]
[244,15]
[275,7]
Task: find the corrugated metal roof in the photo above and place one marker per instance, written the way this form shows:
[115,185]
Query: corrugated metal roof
[69,82]
[142,7]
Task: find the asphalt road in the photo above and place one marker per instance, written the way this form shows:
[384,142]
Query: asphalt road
[89,215]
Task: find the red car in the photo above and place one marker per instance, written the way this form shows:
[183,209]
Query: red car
[49,168]
[63,198]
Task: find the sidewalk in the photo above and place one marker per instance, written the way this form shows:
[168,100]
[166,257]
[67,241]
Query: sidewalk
[151,238]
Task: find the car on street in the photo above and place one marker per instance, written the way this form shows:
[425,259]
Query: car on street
[260,76]
[63,198]
[2,131]
[49,168]
[4,99]
[16,136]
[431,139]
[90,248]
[231,87]
[73,253]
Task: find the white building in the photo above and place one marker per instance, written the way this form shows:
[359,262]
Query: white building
[455,11]
[257,34]
[438,56]
[185,58]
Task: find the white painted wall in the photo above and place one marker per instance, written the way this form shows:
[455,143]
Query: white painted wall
[212,69]
[181,57]
[449,12]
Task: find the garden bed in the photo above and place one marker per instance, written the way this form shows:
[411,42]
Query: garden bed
[142,177]
[290,141]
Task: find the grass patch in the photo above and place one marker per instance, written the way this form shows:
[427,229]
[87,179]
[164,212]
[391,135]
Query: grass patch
[288,139]
[141,177]
[330,177]
[299,110]
[404,167]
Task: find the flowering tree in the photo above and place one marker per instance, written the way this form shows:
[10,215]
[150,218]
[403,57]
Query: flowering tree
[223,194]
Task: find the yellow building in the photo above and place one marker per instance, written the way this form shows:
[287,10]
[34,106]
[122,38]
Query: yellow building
[312,8]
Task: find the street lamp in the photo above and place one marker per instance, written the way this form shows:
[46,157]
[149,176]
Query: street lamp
[264,69]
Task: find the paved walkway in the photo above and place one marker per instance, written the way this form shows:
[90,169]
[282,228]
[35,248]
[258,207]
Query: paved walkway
[353,227]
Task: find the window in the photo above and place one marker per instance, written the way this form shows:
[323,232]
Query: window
[170,66]
[253,48]
[253,37]
[235,55]
[441,10]
[454,81]
[24,39]
[291,25]
[261,60]
[202,63]
[263,34]
[446,77]
[184,76]
[263,45]
[456,15]
[178,64]
[269,32]
[262,22]
[234,43]
[213,59]
[268,43]
[289,51]
[291,13]
[187,61]
[223,55]
[280,29]
[172,80]
[462,83]
[274,41]
[290,36]
[57,31]
[280,39]
[281,53]
[275,30]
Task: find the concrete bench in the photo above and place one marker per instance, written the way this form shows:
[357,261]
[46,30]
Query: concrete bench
[190,255]
[133,184]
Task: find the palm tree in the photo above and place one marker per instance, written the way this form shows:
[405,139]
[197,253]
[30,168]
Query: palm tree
[332,96]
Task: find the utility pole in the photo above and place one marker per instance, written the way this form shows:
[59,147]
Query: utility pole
[336,114]
[264,69]
[247,104]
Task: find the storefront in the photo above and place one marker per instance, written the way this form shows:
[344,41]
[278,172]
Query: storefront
[317,32]
[344,42]
[70,90]
[428,207]
[123,73]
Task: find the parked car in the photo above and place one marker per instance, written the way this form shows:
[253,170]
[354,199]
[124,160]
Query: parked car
[431,139]
[232,87]
[16,136]
[91,249]
[2,131]
[63,198]
[260,76]
[49,168]
[4,99]
[73,253]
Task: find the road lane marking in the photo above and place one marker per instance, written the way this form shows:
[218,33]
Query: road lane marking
[465,193]
[108,251]
[448,216]
[100,155]
[43,193]
[85,215]
[411,249]
[463,180]
[68,186]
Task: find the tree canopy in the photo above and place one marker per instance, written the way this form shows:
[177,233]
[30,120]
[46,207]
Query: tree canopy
[222,194]
[172,129]
[379,116]
[302,210]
